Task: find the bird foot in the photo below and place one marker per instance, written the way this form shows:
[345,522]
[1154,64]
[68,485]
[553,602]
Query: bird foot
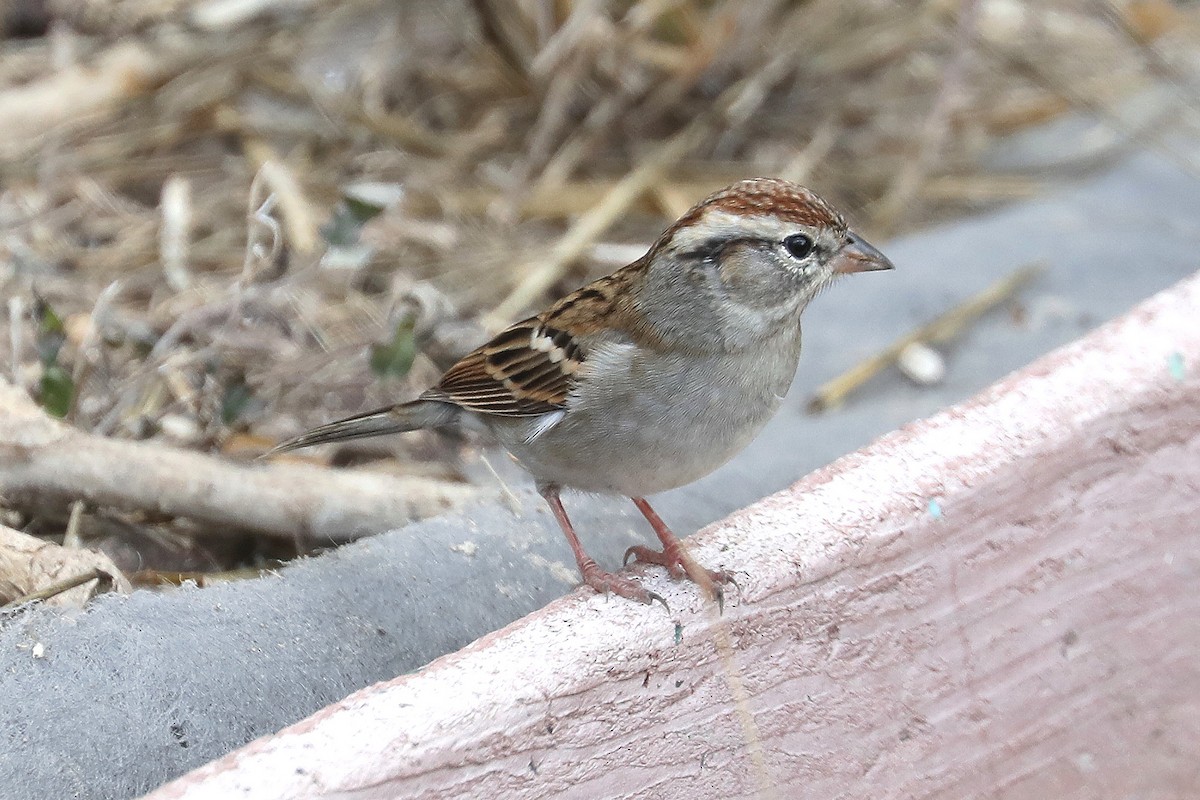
[610,583]
[671,558]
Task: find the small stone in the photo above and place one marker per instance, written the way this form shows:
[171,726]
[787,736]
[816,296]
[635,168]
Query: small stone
[921,364]
[179,428]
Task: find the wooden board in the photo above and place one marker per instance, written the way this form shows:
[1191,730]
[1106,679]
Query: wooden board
[999,601]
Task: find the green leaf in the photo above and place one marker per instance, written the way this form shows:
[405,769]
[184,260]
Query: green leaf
[347,220]
[395,359]
[235,401]
[57,390]
[52,334]
[342,229]
[361,210]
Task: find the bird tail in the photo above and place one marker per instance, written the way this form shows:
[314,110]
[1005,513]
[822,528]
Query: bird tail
[392,419]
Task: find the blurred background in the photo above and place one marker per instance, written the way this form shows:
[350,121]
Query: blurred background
[225,221]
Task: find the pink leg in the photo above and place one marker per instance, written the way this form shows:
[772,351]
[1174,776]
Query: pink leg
[673,557]
[593,576]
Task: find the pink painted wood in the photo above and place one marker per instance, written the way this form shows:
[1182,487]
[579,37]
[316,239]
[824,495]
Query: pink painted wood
[999,601]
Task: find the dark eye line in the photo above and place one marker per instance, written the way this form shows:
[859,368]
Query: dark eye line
[713,247]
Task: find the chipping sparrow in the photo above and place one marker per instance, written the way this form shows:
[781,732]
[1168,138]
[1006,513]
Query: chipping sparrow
[653,376]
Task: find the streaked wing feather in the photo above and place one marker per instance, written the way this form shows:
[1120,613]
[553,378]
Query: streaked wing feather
[525,371]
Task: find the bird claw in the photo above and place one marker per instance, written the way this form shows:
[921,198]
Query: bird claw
[656,596]
[673,562]
[609,583]
[718,586]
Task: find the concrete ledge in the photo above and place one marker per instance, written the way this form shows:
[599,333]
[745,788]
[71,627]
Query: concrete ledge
[999,598]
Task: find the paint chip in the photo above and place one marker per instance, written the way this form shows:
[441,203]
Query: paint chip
[678,632]
[935,508]
[466,548]
[1176,366]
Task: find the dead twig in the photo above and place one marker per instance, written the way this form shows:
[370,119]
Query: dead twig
[501,32]
[891,208]
[833,393]
[157,578]
[401,129]
[102,578]
[16,324]
[35,569]
[42,459]
[227,15]
[299,219]
[83,364]
[800,167]
[541,276]
[175,231]
[731,104]
[76,93]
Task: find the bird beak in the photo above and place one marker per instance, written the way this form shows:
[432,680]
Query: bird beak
[859,255]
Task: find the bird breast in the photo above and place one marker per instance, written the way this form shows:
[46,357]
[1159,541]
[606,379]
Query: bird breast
[641,422]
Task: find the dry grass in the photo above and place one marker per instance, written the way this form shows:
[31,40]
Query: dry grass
[186,184]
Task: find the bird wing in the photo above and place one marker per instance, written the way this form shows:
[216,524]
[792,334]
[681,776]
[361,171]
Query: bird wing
[527,370]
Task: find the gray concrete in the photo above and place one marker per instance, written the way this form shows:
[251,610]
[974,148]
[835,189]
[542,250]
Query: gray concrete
[139,689]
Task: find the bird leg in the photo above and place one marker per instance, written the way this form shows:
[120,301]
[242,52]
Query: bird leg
[673,555]
[593,576]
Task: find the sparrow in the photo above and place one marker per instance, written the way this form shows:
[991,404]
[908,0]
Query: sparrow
[655,375]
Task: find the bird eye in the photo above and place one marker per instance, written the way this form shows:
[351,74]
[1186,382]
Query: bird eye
[798,245]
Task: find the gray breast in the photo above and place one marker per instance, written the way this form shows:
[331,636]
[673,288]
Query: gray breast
[643,422]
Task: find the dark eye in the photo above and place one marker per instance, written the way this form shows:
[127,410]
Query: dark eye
[798,245]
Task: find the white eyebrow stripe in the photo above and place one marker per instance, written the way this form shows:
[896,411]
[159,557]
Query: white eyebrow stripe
[718,224]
